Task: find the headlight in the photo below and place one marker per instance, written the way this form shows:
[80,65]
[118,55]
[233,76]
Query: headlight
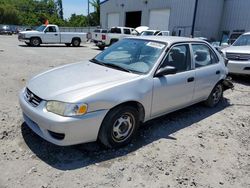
[66,109]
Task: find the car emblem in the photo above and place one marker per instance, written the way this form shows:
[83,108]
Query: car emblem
[30,97]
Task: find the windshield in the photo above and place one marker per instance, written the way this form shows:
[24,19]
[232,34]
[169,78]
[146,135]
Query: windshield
[133,55]
[147,33]
[243,40]
[41,28]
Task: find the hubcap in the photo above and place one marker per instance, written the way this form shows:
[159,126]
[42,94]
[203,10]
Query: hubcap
[35,42]
[123,127]
[217,94]
[76,43]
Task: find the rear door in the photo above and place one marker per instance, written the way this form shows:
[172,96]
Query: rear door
[51,35]
[174,91]
[207,70]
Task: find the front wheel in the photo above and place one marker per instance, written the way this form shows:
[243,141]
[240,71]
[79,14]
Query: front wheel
[119,126]
[35,42]
[215,96]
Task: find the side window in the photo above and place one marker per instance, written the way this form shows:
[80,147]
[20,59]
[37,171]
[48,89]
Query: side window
[203,55]
[159,34]
[127,31]
[179,57]
[51,29]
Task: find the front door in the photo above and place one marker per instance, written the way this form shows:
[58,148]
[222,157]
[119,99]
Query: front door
[174,91]
[51,35]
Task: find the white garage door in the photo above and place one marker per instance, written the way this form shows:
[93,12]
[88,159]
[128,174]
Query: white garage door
[113,19]
[159,19]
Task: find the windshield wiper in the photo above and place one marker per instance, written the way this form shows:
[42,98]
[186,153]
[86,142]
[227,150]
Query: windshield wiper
[109,65]
[117,67]
[97,62]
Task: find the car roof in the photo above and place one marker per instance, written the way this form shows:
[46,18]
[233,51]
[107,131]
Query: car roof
[248,33]
[169,39]
[151,30]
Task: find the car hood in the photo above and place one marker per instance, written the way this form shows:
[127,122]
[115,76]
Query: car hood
[75,81]
[237,49]
[29,32]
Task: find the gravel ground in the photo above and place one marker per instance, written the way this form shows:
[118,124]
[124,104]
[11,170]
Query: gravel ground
[193,147]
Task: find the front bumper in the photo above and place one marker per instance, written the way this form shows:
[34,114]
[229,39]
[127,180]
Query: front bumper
[76,130]
[239,67]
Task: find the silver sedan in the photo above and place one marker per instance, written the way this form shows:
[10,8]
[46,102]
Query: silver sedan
[133,81]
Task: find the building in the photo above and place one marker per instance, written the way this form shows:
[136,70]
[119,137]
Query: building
[213,17]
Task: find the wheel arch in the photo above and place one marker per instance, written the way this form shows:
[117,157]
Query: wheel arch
[134,104]
[78,38]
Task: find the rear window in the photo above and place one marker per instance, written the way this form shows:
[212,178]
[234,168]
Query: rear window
[115,30]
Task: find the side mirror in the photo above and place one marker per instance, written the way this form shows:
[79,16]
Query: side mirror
[165,71]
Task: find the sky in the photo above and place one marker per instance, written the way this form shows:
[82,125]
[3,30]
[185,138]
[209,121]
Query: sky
[75,6]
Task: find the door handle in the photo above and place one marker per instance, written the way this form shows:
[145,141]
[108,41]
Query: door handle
[191,79]
[56,34]
[217,72]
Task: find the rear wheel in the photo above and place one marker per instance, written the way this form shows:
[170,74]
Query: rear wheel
[101,47]
[76,42]
[215,96]
[35,42]
[119,126]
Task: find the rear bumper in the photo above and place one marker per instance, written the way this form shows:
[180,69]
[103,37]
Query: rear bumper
[239,67]
[61,130]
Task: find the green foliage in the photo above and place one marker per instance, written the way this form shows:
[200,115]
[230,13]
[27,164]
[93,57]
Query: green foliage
[77,21]
[95,16]
[30,12]
[36,12]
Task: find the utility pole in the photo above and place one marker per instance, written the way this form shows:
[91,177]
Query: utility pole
[194,17]
[88,18]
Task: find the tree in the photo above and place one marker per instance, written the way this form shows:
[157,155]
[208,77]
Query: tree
[77,21]
[94,17]
[60,9]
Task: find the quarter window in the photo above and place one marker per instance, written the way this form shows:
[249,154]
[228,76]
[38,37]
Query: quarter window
[178,57]
[126,31]
[203,56]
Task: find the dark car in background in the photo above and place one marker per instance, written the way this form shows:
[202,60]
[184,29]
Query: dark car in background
[5,30]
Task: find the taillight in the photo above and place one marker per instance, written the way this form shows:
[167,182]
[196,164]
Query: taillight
[103,37]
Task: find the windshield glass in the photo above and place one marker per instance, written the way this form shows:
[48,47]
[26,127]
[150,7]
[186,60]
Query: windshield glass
[147,33]
[243,40]
[41,28]
[134,55]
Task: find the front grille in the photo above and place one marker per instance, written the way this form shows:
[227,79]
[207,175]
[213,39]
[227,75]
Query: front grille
[238,56]
[31,98]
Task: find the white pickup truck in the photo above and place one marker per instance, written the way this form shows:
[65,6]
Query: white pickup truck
[50,34]
[115,34]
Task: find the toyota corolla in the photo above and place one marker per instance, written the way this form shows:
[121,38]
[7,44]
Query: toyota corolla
[133,81]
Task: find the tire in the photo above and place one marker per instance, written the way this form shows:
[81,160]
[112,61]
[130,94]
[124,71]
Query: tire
[113,41]
[76,42]
[35,42]
[119,126]
[101,47]
[215,96]
[68,44]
